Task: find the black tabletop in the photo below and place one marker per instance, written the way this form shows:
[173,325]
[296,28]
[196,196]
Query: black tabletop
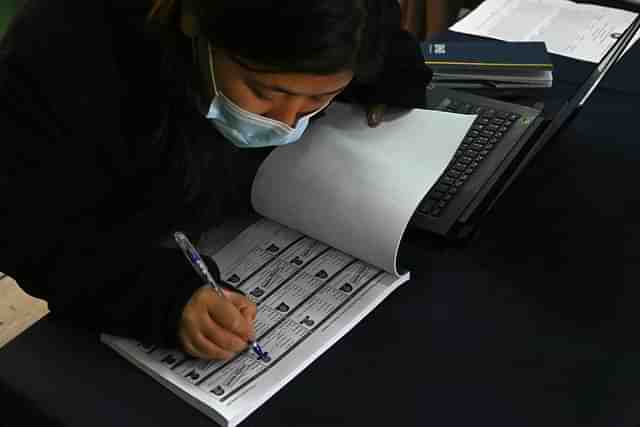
[529,324]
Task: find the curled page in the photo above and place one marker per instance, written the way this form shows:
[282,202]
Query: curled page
[354,187]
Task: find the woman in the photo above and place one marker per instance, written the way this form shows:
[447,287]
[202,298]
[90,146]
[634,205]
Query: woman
[126,120]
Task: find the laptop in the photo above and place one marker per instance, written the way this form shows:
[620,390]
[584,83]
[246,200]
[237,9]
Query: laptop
[501,142]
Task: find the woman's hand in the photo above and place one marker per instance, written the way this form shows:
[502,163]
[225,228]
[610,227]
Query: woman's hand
[213,327]
[375,114]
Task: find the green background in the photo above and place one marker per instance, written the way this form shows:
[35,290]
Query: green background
[7,10]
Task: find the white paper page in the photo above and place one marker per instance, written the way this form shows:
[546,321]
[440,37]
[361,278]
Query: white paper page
[308,296]
[580,31]
[355,187]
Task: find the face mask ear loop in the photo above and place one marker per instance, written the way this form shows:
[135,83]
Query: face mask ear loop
[213,75]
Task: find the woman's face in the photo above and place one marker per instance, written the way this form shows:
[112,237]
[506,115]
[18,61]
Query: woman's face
[280,96]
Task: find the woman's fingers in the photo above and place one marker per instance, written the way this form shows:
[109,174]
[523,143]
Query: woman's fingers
[244,305]
[222,338]
[217,327]
[225,312]
[375,114]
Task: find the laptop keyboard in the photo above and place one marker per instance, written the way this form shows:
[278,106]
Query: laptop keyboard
[487,131]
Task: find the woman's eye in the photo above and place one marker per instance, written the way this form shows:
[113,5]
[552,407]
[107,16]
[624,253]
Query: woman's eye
[260,94]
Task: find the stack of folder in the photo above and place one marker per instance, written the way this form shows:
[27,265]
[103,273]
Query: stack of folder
[489,64]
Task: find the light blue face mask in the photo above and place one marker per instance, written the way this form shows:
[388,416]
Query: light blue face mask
[246,129]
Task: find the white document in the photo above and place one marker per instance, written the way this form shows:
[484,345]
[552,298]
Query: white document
[355,187]
[580,31]
[346,194]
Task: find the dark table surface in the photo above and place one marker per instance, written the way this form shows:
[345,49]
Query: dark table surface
[532,323]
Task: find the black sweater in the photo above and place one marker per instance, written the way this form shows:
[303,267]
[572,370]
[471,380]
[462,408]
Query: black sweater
[104,154]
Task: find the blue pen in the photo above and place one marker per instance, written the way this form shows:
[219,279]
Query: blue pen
[198,264]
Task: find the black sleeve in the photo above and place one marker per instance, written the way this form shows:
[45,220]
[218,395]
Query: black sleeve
[404,75]
[59,104]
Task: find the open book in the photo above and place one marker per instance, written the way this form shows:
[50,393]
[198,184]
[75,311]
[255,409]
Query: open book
[335,207]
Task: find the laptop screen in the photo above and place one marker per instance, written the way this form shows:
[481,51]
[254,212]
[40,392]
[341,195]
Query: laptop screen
[612,56]
[571,106]
[586,89]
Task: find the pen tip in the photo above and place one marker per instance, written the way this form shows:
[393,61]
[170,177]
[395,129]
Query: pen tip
[262,355]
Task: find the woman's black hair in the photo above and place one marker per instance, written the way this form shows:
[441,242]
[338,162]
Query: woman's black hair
[308,36]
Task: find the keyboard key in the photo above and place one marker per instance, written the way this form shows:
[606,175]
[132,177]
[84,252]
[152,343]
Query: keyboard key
[459,166]
[489,112]
[466,108]
[444,103]
[464,177]
[503,129]
[477,147]
[426,205]
[494,141]
[499,135]
[435,195]
[453,190]
[502,115]
[471,153]
[465,160]
[478,127]
[436,212]
[469,171]
[508,123]
[497,121]
[488,133]
[474,133]
[482,140]
[475,165]
[488,146]
[458,153]
[514,116]
[442,188]
[447,180]
[484,152]
[453,173]
[493,127]
[458,183]
[464,146]
[484,120]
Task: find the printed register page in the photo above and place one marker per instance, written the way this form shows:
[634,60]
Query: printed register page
[308,296]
